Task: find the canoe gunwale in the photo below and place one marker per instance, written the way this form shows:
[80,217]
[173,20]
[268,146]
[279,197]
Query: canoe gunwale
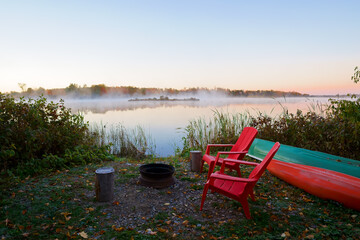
[321,182]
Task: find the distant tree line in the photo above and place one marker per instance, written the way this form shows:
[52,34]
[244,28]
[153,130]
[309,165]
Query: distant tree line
[101,90]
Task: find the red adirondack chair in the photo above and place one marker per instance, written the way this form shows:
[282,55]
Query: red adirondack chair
[235,187]
[237,152]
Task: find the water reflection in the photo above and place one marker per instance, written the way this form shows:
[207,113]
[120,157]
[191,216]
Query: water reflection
[104,105]
[162,120]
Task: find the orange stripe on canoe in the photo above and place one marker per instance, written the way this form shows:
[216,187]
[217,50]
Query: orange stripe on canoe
[326,184]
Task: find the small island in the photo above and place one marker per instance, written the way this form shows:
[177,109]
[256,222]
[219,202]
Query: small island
[163,98]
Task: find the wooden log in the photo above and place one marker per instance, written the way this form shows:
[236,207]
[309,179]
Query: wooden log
[104,186]
[195,160]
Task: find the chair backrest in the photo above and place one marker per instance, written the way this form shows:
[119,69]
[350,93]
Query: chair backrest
[244,142]
[259,170]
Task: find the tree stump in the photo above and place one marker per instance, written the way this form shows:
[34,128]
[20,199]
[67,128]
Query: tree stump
[104,186]
[195,161]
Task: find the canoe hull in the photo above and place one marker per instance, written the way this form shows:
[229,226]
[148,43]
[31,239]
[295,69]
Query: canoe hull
[320,182]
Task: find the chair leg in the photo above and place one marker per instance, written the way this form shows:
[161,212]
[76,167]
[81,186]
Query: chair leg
[202,165]
[211,169]
[252,195]
[245,206]
[206,188]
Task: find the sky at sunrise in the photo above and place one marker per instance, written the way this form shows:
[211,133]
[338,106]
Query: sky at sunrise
[306,46]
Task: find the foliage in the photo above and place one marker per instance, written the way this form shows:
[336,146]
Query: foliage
[35,132]
[80,155]
[223,128]
[331,134]
[98,90]
[335,131]
[356,76]
[124,142]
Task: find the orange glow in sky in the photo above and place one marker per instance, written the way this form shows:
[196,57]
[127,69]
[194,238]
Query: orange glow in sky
[306,46]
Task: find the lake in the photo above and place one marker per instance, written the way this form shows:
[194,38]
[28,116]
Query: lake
[164,120]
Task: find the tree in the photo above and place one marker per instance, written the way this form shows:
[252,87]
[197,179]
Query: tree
[22,86]
[72,88]
[356,76]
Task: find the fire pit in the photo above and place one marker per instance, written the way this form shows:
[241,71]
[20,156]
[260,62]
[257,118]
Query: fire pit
[157,175]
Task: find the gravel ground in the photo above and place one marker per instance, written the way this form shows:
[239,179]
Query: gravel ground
[134,206]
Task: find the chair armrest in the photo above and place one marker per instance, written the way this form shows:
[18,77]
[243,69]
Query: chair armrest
[241,162]
[227,153]
[218,175]
[216,145]
[230,153]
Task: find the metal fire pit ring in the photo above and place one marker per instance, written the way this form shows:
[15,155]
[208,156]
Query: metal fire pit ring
[156,175]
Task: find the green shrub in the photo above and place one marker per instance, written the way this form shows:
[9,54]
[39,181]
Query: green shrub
[330,133]
[336,130]
[35,129]
[80,155]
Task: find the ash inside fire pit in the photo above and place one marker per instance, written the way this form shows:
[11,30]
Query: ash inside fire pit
[157,175]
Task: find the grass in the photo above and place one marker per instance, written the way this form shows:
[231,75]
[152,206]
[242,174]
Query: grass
[62,205]
[124,142]
[222,128]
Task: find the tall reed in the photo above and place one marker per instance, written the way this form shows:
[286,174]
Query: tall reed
[222,128]
[124,142]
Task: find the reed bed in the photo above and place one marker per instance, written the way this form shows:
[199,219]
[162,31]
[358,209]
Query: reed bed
[124,142]
[332,128]
[222,128]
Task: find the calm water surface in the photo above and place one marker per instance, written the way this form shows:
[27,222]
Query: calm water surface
[162,120]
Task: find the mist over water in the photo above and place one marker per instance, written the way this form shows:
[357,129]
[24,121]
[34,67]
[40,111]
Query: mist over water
[164,121]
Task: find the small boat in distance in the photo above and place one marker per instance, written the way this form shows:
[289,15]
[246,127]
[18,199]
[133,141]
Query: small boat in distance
[163,98]
[320,174]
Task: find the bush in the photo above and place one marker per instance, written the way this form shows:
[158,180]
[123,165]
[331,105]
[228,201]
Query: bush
[35,129]
[330,133]
[337,132]
[80,155]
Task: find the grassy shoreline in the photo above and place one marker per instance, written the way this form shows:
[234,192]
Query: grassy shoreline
[62,205]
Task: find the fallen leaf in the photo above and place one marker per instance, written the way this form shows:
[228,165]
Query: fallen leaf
[162,230]
[149,231]
[90,209]
[285,234]
[120,229]
[83,234]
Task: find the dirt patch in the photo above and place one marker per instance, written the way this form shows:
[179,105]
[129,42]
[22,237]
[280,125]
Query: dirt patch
[135,206]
